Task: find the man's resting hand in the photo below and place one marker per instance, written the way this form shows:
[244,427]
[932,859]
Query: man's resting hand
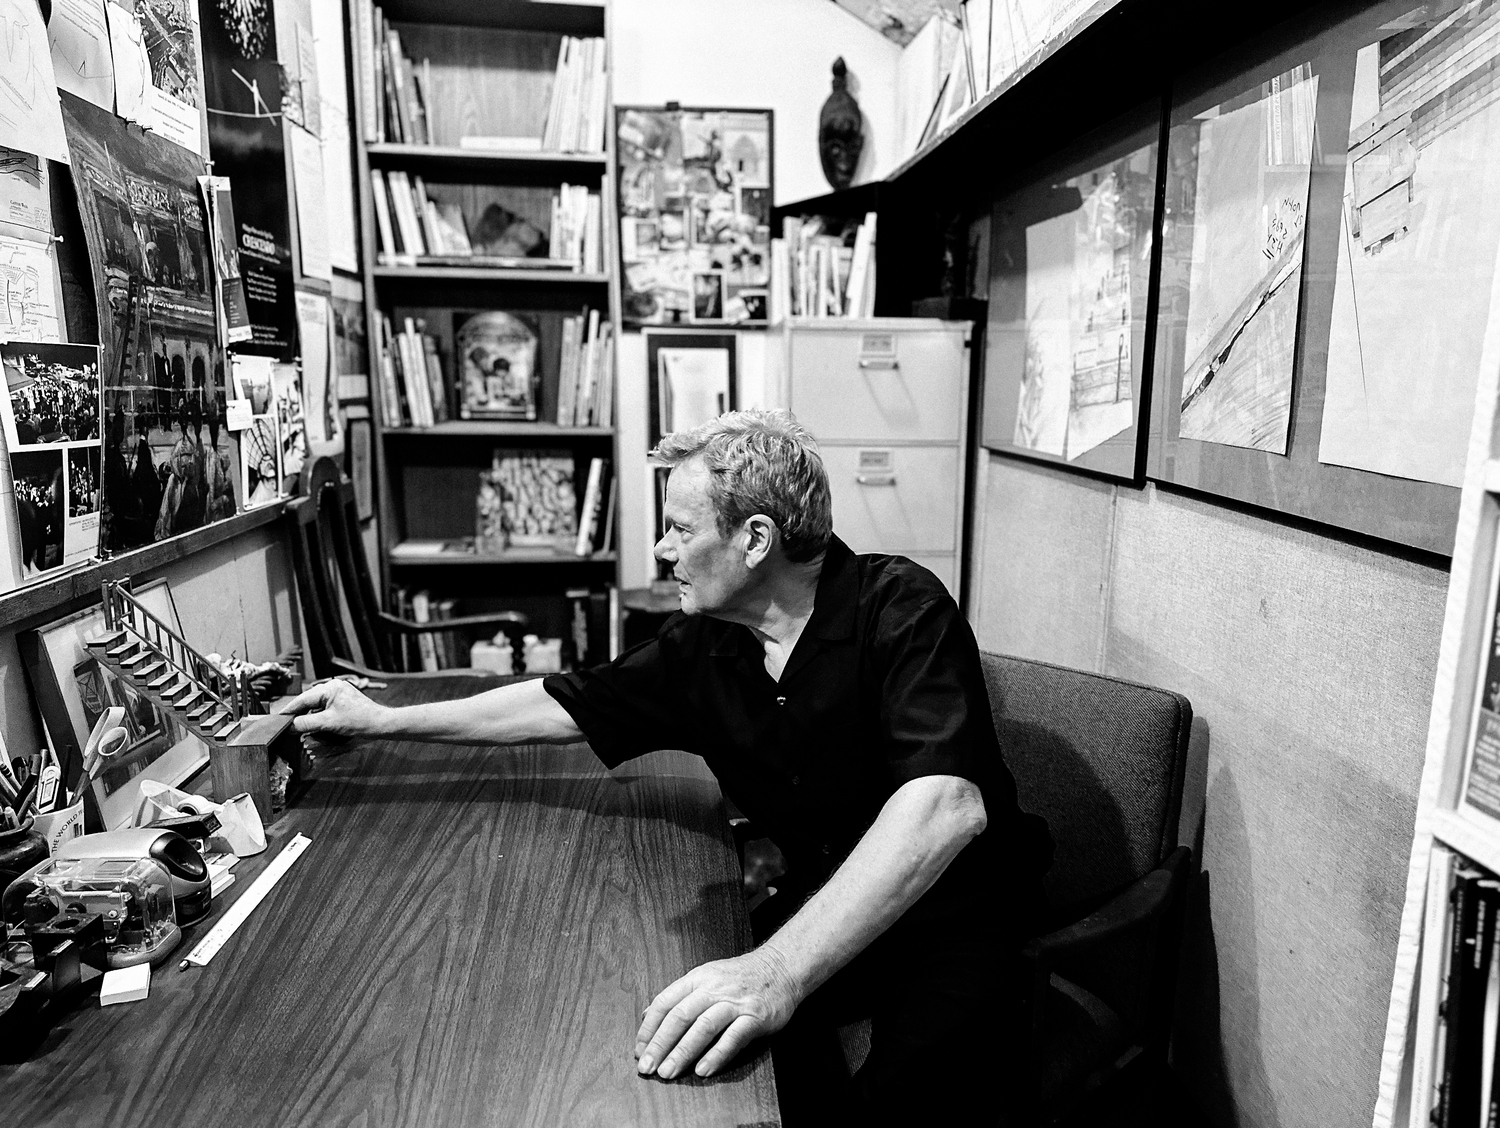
[335,710]
[715,1011]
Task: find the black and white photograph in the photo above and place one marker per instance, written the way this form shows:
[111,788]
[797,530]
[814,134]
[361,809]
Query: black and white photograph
[52,394]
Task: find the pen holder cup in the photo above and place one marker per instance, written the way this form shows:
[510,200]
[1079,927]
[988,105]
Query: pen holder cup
[59,826]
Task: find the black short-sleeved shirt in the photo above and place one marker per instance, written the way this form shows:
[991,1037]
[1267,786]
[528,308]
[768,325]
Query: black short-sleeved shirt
[883,686]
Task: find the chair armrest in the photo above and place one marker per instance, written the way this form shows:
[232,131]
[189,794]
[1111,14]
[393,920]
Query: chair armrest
[513,619]
[1125,952]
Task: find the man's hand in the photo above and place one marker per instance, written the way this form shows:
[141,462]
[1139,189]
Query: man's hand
[719,1008]
[335,710]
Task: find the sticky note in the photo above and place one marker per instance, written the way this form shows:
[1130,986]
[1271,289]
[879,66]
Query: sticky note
[125,985]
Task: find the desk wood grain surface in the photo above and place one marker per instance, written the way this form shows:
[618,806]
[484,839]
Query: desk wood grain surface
[469,940]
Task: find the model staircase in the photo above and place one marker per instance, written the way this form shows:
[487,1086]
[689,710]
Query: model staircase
[144,652]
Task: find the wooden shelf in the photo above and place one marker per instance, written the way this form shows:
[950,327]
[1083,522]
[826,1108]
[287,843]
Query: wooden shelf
[581,17]
[489,161]
[486,274]
[495,428]
[530,556]
[46,599]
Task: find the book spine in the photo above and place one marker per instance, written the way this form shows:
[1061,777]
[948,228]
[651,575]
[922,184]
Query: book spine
[413,375]
[405,211]
[1472,973]
[589,513]
[390,386]
[1465,904]
[435,382]
[593,140]
[604,415]
[567,377]
[554,105]
[364,70]
[387,235]
[588,372]
[421,612]
[1433,969]
[377,72]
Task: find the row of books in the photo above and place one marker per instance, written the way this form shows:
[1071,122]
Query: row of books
[413,390]
[585,385]
[410,224]
[1458,1014]
[577,229]
[431,650]
[575,116]
[591,639]
[394,94]
[817,271]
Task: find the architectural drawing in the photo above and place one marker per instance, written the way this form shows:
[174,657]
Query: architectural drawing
[1246,209]
[1076,389]
[81,56]
[1416,249]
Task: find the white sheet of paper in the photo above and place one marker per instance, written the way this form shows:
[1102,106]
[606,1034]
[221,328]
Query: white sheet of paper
[312,326]
[237,415]
[81,55]
[312,205]
[137,97]
[338,156]
[1412,286]
[29,295]
[24,198]
[695,387]
[30,116]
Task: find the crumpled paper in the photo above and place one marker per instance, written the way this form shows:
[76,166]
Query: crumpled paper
[240,828]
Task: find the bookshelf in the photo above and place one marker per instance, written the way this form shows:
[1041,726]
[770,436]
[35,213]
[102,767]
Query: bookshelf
[486,72]
[1417,1069]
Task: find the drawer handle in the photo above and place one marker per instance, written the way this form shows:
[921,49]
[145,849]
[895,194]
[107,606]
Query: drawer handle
[875,479]
[880,364]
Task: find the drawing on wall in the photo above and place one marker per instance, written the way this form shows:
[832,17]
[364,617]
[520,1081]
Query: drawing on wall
[1238,180]
[29,119]
[161,365]
[695,223]
[1416,249]
[1071,260]
[81,56]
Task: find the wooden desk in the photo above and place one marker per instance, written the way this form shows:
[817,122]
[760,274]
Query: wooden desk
[470,939]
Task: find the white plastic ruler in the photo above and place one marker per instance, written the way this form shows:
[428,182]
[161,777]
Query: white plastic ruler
[220,933]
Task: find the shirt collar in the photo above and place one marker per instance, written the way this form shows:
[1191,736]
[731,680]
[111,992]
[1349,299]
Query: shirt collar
[834,604]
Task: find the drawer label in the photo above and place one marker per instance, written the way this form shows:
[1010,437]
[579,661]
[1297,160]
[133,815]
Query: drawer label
[877,350]
[876,461]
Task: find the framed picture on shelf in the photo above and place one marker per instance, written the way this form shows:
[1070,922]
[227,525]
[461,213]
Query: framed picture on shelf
[1066,353]
[72,691]
[695,190]
[496,356]
[692,378]
[1285,358]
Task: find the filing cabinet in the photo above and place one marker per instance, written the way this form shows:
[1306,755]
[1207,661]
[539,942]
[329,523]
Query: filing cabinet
[887,399]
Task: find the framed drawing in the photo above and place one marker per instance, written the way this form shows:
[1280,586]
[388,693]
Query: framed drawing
[695,192]
[1067,351]
[692,378]
[72,691]
[1319,336]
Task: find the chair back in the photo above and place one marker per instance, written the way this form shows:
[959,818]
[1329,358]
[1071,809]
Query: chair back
[1102,760]
[329,556]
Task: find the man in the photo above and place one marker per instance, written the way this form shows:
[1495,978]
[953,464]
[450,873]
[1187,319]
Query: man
[840,702]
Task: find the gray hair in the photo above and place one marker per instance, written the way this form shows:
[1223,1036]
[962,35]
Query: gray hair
[760,461]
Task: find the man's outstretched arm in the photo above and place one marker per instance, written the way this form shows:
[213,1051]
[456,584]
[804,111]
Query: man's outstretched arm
[519,713]
[715,1010]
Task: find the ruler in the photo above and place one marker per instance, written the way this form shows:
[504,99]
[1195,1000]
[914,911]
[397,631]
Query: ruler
[220,933]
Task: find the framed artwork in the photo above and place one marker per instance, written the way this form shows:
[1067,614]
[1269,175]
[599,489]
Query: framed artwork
[1067,349]
[358,456]
[695,192]
[72,691]
[692,379]
[1319,337]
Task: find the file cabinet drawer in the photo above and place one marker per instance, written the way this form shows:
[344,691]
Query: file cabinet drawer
[843,387]
[895,499]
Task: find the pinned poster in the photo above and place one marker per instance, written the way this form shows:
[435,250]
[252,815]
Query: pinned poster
[229,289]
[30,116]
[312,326]
[156,69]
[312,206]
[81,56]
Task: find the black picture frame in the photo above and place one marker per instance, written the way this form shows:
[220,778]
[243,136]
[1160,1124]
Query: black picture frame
[659,381]
[684,259]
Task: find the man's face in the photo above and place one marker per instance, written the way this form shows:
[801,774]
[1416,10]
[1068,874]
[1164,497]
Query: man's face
[708,566]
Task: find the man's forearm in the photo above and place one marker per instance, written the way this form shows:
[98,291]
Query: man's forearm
[919,831]
[519,713]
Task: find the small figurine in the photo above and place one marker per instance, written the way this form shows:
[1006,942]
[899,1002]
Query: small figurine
[841,136]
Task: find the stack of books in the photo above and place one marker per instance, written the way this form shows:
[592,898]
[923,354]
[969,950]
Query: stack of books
[596,518]
[586,384]
[1459,1011]
[816,272]
[413,389]
[577,228]
[435,650]
[575,116]
[394,94]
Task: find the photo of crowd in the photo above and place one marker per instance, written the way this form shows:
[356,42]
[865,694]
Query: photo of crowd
[83,481]
[39,508]
[54,394]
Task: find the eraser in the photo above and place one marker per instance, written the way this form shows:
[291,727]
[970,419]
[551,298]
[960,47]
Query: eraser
[125,985]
